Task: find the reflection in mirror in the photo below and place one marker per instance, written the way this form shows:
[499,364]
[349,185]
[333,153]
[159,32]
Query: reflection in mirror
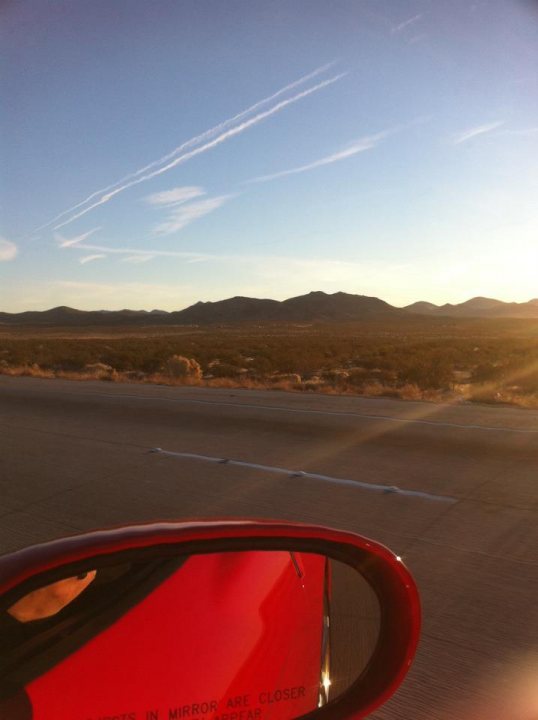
[247,635]
[50,599]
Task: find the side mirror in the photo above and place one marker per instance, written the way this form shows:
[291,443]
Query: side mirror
[226,620]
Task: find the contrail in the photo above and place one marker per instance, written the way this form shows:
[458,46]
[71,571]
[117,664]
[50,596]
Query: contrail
[365,143]
[406,23]
[473,132]
[193,141]
[226,123]
[67,242]
[203,148]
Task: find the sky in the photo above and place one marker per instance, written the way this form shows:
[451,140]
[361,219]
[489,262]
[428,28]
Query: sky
[154,154]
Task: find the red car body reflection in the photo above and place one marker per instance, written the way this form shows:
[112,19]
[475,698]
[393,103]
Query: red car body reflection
[242,641]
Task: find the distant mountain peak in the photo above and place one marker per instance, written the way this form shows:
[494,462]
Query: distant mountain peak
[421,306]
[482,302]
[478,307]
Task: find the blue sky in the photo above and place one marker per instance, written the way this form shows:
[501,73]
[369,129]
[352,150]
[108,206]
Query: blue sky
[158,153]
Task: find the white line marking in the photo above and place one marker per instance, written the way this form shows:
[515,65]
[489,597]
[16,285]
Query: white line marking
[336,413]
[385,489]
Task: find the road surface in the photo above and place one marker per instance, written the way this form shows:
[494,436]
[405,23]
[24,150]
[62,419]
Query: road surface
[453,490]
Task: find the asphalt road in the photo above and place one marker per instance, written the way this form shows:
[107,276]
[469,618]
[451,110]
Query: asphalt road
[453,490]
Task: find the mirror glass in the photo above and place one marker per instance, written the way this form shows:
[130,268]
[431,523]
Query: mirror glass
[247,635]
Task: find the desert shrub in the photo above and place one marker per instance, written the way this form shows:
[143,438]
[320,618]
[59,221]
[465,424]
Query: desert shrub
[121,360]
[486,395]
[98,368]
[149,363]
[101,371]
[374,389]
[410,392]
[384,375]
[335,376]
[182,368]
[311,386]
[486,372]
[262,366]
[526,380]
[293,378]
[427,372]
[134,375]
[226,370]
[358,376]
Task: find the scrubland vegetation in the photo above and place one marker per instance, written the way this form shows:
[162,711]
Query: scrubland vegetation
[449,360]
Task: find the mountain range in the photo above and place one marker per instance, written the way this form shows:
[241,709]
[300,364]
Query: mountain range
[478,307]
[313,307]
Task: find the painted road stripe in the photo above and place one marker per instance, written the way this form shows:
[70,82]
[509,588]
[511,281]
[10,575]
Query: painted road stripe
[334,413]
[385,489]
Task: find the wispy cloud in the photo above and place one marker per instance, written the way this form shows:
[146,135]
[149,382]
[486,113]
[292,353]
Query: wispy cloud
[175,196]
[68,242]
[475,131]
[219,133]
[524,132]
[91,258]
[137,259]
[144,254]
[182,214]
[8,250]
[365,143]
[406,23]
